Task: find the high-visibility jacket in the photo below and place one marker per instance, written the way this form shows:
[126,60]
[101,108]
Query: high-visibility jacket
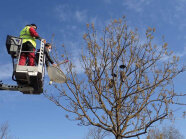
[25,34]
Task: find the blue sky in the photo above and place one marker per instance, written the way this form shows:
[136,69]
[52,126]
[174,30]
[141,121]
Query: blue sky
[35,117]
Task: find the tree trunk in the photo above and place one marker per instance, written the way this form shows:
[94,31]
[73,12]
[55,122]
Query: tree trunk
[118,137]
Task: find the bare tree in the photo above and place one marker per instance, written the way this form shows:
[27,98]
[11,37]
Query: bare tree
[127,83]
[97,133]
[167,132]
[5,132]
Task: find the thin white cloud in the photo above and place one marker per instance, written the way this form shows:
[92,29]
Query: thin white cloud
[180,5]
[173,13]
[181,54]
[65,14]
[136,5]
[179,14]
[177,54]
[80,16]
[75,56]
[61,12]
[5,71]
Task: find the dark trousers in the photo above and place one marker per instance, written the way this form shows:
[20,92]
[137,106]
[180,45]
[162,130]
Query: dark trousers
[27,46]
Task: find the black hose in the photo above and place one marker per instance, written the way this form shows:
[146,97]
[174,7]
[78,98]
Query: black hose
[13,76]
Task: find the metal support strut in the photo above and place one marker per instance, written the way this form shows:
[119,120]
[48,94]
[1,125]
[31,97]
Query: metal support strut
[25,89]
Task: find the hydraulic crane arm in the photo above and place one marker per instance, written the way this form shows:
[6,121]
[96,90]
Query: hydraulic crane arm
[24,89]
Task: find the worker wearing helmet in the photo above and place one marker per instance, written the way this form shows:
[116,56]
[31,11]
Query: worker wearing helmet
[29,36]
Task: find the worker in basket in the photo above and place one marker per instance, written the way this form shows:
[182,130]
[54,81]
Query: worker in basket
[29,36]
[48,58]
[54,72]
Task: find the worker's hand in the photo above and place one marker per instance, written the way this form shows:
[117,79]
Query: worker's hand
[54,65]
[65,61]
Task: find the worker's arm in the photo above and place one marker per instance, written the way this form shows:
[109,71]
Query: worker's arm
[48,56]
[33,33]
